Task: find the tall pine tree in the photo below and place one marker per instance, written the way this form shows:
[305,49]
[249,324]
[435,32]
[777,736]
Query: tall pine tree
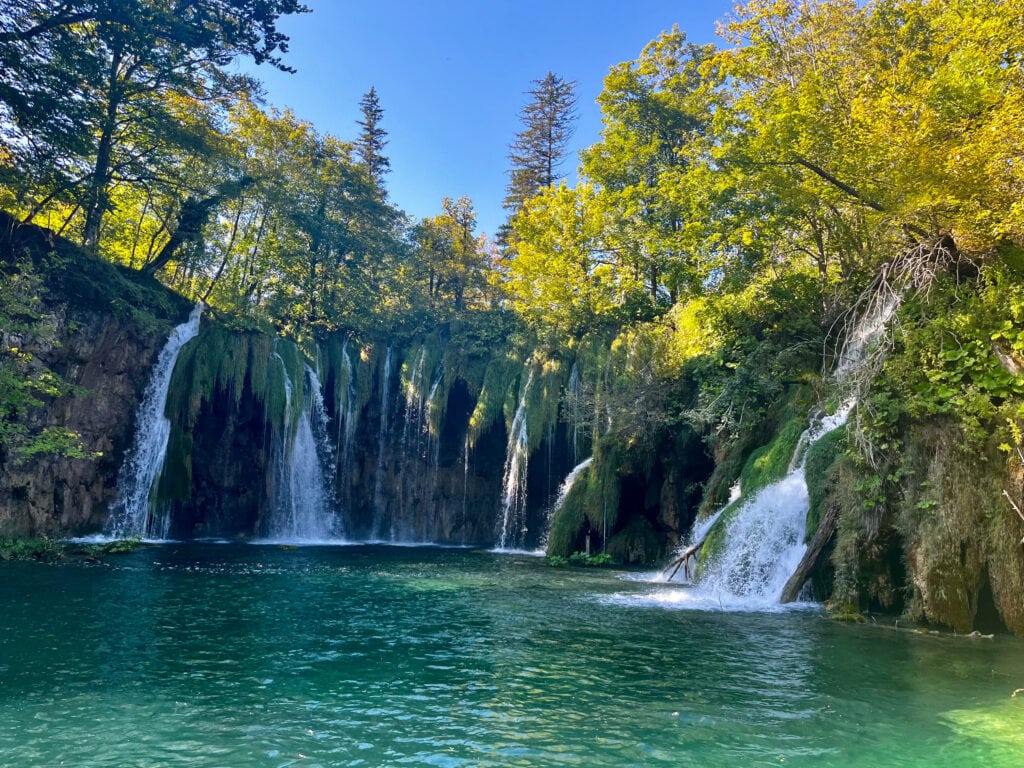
[539,149]
[372,139]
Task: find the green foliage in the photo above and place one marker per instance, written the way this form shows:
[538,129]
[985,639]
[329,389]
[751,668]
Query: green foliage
[24,381]
[116,547]
[770,462]
[599,560]
[98,95]
[31,549]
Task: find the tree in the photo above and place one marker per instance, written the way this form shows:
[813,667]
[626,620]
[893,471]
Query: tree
[106,88]
[372,139]
[453,260]
[650,164]
[539,149]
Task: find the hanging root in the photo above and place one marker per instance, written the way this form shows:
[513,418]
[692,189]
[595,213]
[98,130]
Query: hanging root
[1015,509]
[870,327]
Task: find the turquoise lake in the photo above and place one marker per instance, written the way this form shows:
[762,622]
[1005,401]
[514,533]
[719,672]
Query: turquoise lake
[234,655]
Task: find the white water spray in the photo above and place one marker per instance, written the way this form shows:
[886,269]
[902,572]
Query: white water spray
[132,514]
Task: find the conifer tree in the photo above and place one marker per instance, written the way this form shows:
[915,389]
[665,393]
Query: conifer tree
[372,139]
[539,148]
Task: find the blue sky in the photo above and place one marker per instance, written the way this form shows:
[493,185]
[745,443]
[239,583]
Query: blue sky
[452,78]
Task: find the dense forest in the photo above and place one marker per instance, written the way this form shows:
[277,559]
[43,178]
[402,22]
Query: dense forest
[745,205]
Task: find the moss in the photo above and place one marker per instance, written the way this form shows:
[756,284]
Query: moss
[30,549]
[770,462]
[222,361]
[500,383]
[568,521]
[116,547]
[821,471]
[714,543]
[637,543]
[847,613]
[175,482]
[543,399]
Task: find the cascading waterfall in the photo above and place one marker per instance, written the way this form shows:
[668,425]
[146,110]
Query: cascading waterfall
[303,510]
[378,486]
[346,423]
[513,485]
[433,443]
[764,540]
[132,514]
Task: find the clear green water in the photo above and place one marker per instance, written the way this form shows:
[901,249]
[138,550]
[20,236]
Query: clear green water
[257,656]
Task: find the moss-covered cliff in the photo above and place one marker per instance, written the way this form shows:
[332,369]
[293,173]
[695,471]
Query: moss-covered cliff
[90,335]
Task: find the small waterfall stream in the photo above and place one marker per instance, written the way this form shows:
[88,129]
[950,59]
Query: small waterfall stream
[377,533]
[513,484]
[132,514]
[303,509]
[563,494]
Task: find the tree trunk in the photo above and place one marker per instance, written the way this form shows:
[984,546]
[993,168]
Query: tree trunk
[192,218]
[815,551]
[97,202]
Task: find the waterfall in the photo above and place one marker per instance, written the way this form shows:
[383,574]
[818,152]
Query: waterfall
[378,486]
[563,494]
[513,484]
[433,441]
[137,478]
[303,509]
[414,403]
[465,483]
[346,420]
[764,538]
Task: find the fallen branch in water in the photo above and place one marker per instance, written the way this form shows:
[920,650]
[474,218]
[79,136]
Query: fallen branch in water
[683,560]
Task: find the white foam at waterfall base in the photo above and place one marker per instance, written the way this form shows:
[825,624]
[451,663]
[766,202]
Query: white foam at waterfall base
[764,542]
[131,514]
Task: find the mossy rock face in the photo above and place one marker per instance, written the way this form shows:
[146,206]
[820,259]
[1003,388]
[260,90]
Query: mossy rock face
[959,530]
[569,520]
[821,471]
[638,543]
[770,462]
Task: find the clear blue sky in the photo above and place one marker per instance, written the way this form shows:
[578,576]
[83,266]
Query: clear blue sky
[452,76]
